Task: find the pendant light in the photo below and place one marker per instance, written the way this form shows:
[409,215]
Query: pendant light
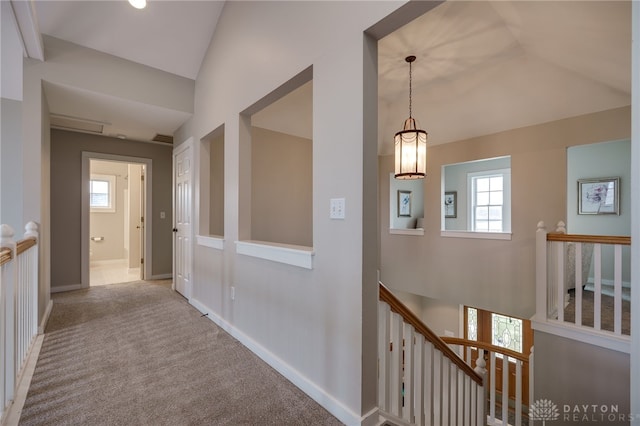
[410,145]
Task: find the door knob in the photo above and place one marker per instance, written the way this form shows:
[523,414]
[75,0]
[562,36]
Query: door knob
[175,229]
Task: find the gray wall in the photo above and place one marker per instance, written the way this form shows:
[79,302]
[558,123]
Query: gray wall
[491,274]
[66,189]
[570,373]
[281,188]
[602,160]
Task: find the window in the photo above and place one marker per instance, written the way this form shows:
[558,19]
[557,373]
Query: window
[102,193]
[483,199]
[499,330]
[489,206]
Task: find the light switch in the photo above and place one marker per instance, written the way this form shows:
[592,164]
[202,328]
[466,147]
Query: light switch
[162,215]
[337,208]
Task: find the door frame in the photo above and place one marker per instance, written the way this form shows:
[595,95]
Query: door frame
[187,144]
[85,260]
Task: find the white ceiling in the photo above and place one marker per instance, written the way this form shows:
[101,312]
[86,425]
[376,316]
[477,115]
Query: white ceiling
[482,67]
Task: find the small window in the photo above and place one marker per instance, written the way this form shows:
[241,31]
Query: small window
[490,201]
[102,193]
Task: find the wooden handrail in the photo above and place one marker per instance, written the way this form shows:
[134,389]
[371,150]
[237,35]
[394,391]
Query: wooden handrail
[486,346]
[5,255]
[409,317]
[595,239]
[26,244]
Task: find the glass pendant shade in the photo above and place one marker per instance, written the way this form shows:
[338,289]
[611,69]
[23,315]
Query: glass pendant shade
[411,151]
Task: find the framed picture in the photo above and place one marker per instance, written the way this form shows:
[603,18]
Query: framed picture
[450,204]
[404,203]
[599,196]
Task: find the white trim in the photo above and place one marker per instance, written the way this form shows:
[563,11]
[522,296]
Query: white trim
[398,231]
[477,235]
[588,336]
[63,288]
[160,277]
[331,404]
[87,156]
[45,317]
[289,254]
[14,410]
[210,241]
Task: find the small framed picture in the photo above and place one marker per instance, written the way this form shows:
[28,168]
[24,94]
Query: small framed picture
[404,203]
[450,204]
[599,196]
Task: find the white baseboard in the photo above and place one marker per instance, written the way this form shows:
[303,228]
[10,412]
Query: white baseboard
[332,405]
[160,277]
[60,289]
[12,415]
[45,317]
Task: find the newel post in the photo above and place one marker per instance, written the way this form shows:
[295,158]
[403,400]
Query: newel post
[541,272]
[31,230]
[481,369]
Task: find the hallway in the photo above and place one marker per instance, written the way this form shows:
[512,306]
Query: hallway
[138,353]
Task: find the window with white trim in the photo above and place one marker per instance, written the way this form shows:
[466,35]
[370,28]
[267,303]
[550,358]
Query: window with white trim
[489,202]
[102,190]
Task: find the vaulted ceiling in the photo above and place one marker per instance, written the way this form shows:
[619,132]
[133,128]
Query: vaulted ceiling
[482,67]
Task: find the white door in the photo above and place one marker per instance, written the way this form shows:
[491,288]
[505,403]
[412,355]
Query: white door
[183,166]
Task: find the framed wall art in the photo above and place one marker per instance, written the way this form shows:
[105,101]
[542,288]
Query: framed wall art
[599,196]
[404,203]
[450,204]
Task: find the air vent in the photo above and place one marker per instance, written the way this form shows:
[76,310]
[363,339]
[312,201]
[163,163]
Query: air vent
[77,124]
[163,138]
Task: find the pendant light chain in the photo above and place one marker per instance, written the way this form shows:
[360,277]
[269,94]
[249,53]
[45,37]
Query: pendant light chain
[410,116]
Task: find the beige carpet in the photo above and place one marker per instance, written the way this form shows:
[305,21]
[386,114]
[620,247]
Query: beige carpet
[139,354]
[606,312]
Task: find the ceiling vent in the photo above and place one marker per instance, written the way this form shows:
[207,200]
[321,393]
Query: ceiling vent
[76,124]
[163,139]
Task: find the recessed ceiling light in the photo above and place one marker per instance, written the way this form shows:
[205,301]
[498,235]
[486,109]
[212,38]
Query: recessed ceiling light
[138,4]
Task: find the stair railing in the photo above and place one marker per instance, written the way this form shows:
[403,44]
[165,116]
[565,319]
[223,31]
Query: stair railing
[563,265]
[18,308]
[421,380]
[501,386]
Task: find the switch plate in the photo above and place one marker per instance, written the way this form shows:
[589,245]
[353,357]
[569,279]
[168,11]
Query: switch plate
[233,293]
[337,208]
[162,215]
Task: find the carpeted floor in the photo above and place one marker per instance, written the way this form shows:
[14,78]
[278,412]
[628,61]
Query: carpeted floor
[606,311]
[139,354]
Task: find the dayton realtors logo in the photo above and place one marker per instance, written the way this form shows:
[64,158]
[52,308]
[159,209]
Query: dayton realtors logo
[545,409]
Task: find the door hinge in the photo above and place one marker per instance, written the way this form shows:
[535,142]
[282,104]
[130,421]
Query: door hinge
[141,219]
[142,261]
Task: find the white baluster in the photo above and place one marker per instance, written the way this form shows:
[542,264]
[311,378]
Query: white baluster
[578,299]
[617,290]
[430,392]
[597,292]
[481,391]
[437,387]
[419,382]
[518,404]
[395,388]
[505,389]
[541,272]
[408,406]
